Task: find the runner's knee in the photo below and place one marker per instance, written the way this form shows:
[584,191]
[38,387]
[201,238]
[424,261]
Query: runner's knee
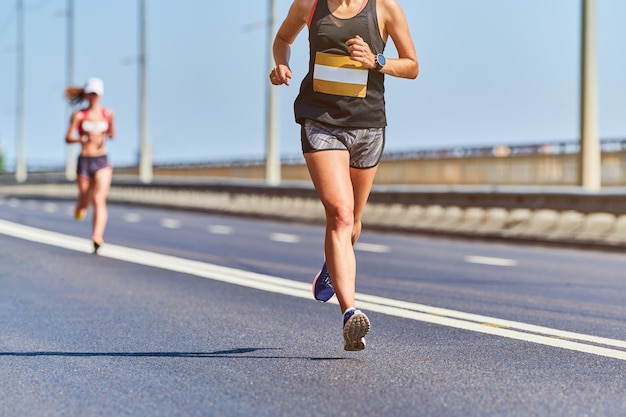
[340,217]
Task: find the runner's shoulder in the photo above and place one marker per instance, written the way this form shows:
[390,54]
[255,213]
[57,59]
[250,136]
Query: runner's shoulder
[303,8]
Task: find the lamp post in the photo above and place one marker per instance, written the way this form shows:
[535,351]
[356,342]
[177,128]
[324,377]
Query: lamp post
[590,154]
[20,162]
[145,153]
[70,159]
[272,158]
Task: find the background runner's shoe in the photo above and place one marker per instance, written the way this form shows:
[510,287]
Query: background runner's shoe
[322,287]
[80,215]
[355,327]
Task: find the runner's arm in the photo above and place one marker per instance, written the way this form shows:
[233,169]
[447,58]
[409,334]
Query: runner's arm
[296,20]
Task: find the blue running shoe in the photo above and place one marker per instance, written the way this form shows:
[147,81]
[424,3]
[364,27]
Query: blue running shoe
[355,327]
[322,287]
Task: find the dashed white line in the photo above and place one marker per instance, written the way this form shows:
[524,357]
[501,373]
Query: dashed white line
[484,260]
[284,237]
[50,207]
[170,223]
[370,247]
[131,218]
[220,230]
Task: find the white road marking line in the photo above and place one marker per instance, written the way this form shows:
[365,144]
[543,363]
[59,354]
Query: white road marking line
[220,230]
[482,324]
[494,322]
[370,247]
[170,223]
[484,260]
[284,237]
[131,217]
[50,207]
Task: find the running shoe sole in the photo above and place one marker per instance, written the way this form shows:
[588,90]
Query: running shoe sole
[354,332]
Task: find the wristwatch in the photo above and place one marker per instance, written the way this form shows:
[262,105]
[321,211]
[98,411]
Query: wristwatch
[380,61]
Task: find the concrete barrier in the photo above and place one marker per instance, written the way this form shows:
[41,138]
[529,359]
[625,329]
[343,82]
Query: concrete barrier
[566,217]
[597,227]
[473,219]
[568,225]
[617,234]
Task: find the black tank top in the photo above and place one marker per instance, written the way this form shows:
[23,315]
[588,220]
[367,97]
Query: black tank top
[334,91]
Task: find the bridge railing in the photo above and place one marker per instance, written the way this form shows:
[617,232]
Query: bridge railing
[552,164]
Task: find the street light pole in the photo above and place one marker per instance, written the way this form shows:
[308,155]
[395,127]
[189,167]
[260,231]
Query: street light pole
[20,163]
[272,158]
[590,154]
[145,153]
[70,159]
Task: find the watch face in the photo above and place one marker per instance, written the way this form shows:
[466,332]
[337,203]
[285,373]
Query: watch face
[381,60]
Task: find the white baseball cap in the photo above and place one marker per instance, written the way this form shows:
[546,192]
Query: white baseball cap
[94,85]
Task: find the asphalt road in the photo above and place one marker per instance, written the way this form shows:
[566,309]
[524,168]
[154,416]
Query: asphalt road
[190,314]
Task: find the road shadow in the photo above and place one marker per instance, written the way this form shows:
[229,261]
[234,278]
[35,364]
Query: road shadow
[230,353]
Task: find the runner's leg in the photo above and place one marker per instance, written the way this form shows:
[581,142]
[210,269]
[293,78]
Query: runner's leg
[101,187]
[82,202]
[330,173]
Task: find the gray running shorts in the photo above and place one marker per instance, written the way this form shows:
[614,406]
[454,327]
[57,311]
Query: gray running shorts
[364,145]
[89,165]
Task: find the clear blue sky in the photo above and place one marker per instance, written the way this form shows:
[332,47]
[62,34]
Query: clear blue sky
[492,72]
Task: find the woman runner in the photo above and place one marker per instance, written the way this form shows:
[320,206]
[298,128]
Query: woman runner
[341,110]
[90,127]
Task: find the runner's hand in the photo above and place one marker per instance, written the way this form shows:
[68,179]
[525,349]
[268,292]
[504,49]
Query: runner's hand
[280,75]
[360,52]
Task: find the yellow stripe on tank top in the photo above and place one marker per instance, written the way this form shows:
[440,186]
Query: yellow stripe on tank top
[339,75]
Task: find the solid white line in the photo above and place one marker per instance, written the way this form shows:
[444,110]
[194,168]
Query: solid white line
[492,321]
[460,320]
[484,260]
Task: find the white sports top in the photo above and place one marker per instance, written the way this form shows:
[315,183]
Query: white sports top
[94,126]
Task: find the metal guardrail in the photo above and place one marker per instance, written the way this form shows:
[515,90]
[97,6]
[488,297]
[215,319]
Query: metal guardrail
[549,163]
